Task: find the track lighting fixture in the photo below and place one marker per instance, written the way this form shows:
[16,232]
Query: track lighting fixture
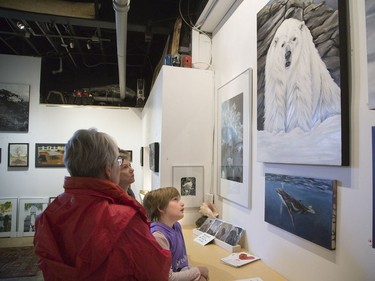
[20,25]
[71,44]
[88,44]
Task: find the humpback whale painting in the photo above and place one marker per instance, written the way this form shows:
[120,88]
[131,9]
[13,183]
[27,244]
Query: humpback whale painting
[303,206]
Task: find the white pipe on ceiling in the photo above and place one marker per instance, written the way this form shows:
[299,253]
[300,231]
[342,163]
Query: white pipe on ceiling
[121,8]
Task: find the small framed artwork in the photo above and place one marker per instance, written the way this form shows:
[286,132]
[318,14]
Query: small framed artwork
[8,217]
[29,209]
[18,155]
[234,139]
[126,154]
[49,154]
[129,155]
[141,156]
[154,157]
[189,181]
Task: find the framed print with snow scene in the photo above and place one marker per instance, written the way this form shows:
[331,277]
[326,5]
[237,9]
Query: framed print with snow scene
[234,139]
[8,217]
[29,209]
[303,112]
[303,206]
[14,107]
[189,182]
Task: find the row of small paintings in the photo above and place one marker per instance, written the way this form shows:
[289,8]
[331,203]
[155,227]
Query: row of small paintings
[46,155]
[222,230]
[27,209]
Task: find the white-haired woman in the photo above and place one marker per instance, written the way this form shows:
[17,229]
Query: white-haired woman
[93,230]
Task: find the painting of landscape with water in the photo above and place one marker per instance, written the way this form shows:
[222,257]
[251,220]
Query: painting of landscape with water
[303,206]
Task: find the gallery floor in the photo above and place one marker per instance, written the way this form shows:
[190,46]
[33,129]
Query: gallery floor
[20,242]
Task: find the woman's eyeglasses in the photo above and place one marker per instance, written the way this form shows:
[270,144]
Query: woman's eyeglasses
[120,160]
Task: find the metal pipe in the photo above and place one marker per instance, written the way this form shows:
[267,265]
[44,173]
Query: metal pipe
[121,8]
[65,46]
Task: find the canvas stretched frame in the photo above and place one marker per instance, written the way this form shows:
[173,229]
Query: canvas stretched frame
[8,209]
[235,139]
[306,207]
[326,142]
[189,180]
[28,210]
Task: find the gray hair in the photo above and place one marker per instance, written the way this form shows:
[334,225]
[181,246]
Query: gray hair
[88,152]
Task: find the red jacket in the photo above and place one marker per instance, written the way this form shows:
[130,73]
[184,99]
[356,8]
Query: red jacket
[94,232]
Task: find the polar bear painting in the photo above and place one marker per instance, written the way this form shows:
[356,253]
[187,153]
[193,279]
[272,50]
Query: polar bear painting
[299,90]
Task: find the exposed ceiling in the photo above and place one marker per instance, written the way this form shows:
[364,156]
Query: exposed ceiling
[77,41]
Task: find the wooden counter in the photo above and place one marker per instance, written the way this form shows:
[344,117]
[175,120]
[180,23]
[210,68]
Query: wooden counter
[210,256]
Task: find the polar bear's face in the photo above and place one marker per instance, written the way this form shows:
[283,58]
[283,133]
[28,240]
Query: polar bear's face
[287,42]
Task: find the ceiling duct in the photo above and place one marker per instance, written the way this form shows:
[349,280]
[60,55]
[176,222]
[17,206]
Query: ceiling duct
[215,14]
[121,8]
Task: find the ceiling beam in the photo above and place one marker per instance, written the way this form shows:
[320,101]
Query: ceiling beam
[12,14]
[53,7]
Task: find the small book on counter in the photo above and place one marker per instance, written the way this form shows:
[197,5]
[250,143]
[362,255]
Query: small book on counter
[239,259]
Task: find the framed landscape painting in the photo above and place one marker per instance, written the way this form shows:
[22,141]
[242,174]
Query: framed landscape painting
[29,209]
[49,155]
[18,155]
[303,206]
[189,181]
[303,112]
[234,139]
[8,217]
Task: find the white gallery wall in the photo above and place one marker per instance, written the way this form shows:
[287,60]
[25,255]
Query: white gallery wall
[234,49]
[179,115]
[55,124]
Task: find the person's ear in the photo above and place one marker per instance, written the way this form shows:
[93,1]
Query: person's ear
[107,171]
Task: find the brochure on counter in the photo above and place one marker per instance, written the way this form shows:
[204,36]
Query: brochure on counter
[251,279]
[239,259]
[204,238]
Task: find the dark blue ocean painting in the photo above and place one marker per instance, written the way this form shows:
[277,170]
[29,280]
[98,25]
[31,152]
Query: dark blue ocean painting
[303,206]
